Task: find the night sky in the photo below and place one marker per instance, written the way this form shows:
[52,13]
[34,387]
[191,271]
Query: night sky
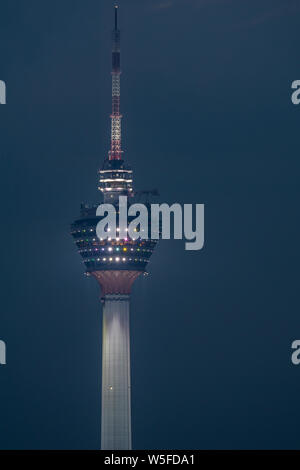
[205,95]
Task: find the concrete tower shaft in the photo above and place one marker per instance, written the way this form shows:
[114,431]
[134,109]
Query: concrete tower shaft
[116,386]
[116,381]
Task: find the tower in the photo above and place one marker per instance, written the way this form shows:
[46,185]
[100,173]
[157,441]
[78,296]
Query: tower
[115,264]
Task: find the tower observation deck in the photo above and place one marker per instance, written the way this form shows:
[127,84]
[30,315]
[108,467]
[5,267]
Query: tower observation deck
[115,264]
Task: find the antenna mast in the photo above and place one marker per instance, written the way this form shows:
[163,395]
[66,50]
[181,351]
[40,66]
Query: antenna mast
[116,117]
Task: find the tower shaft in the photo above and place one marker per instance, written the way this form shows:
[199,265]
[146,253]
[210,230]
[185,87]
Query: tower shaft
[116,396]
[116,392]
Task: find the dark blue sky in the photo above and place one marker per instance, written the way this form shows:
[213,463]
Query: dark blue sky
[207,119]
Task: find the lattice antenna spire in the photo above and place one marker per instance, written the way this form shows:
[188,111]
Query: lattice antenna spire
[116,117]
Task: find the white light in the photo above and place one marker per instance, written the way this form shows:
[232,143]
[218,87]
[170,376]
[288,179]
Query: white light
[110,248]
[117,259]
[111,171]
[110,180]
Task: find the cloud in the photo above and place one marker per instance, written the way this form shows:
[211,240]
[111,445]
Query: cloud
[164,5]
[282,10]
[267,14]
